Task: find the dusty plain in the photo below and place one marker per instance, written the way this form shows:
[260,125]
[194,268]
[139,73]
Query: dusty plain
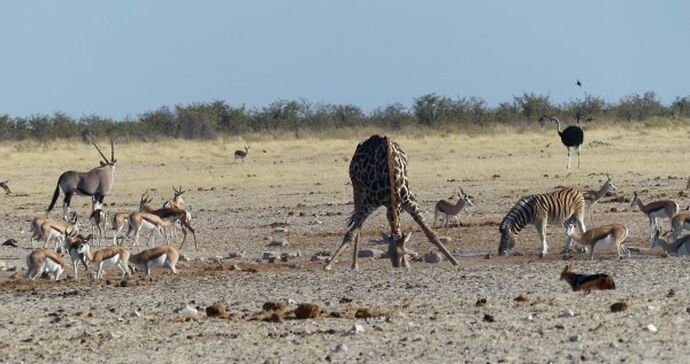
[432,313]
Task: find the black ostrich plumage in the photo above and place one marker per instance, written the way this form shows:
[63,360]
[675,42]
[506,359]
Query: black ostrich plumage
[572,136]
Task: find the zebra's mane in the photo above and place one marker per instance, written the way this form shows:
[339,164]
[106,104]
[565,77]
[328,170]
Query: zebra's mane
[513,221]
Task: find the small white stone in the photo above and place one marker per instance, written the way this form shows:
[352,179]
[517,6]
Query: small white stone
[651,328]
[568,313]
[530,317]
[341,348]
[356,329]
[186,310]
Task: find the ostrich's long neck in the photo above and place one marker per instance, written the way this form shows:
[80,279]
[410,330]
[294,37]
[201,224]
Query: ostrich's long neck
[558,124]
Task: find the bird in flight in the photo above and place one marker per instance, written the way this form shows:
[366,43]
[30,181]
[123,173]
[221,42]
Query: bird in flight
[578,83]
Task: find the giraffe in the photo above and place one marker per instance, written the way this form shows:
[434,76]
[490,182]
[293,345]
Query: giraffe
[371,188]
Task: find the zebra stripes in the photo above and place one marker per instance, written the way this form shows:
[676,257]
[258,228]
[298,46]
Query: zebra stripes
[540,210]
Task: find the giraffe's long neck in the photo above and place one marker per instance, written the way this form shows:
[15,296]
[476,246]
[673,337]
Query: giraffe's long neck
[393,190]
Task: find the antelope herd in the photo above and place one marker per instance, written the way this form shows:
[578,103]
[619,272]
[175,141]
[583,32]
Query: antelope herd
[378,172]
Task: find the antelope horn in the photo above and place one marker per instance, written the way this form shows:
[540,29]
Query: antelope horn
[99,151]
[174,189]
[112,151]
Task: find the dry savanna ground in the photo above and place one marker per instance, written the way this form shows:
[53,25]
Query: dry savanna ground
[433,313]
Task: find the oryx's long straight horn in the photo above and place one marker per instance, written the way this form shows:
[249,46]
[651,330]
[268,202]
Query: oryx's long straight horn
[112,151]
[99,151]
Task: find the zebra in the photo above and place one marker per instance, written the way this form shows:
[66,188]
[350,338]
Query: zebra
[548,208]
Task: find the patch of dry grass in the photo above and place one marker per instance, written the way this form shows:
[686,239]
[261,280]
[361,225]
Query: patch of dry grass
[509,161]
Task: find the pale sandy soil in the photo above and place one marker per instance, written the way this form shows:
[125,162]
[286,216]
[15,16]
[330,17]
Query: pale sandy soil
[428,314]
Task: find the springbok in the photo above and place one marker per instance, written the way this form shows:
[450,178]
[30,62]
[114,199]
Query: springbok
[452,210]
[241,155]
[170,214]
[678,247]
[5,186]
[118,223]
[106,257]
[176,202]
[593,196]
[607,234]
[35,228]
[98,220]
[679,222]
[44,260]
[73,244]
[57,230]
[655,210]
[95,183]
[138,220]
[160,256]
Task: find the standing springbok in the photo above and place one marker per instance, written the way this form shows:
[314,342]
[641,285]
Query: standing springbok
[106,257]
[654,210]
[95,183]
[44,260]
[5,187]
[679,222]
[452,210]
[607,234]
[97,220]
[176,202]
[73,244]
[678,247]
[58,230]
[118,223]
[593,196]
[160,256]
[35,228]
[241,155]
[139,220]
[171,215]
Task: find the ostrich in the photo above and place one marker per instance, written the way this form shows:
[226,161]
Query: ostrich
[572,137]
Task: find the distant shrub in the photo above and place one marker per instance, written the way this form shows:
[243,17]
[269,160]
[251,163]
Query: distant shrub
[300,118]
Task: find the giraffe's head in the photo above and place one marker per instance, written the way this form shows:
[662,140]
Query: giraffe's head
[396,248]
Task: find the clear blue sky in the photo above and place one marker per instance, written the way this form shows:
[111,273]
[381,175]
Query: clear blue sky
[124,57]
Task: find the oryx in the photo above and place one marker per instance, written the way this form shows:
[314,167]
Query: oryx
[95,183]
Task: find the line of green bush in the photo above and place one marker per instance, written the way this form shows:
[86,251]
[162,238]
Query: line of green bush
[217,118]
